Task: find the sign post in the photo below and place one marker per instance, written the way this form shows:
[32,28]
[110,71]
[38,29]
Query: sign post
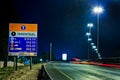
[22,39]
[16,63]
[30,62]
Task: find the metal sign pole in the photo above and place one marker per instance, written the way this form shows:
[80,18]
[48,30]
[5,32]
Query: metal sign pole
[16,64]
[30,62]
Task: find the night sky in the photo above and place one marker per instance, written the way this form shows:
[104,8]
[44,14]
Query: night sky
[64,23]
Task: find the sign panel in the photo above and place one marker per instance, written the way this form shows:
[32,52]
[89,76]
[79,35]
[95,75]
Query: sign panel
[64,57]
[22,39]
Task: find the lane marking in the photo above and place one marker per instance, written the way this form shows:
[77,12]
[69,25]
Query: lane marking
[63,73]
[47,72]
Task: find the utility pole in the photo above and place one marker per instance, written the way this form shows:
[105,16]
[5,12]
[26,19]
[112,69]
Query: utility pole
[50,50]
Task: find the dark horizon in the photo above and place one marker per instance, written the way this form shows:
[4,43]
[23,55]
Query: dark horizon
[64,23]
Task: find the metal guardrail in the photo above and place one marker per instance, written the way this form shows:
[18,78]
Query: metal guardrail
[43,75]
[110,60]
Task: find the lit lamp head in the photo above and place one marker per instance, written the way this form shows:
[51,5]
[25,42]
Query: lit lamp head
[94,47]
[88,33]
[92,44]
[89,39]
[90,25]
[98,9]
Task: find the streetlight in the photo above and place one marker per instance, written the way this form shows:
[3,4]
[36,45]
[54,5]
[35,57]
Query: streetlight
[94,47]
[89,39]
[99,56]
[98,10]
[92,44]
[50,50]
[89,25]
[88,33]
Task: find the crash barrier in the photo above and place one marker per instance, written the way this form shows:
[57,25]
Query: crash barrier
[42,75]
[110,60]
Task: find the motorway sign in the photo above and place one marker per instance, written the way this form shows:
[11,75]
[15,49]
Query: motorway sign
[22,39]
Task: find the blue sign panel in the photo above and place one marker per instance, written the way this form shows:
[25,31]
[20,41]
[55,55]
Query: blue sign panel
[19,44]
[22,39]
[22,45]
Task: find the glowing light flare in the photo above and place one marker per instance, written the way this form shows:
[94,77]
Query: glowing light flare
[88,33]
[90,25]
[98,9]
[89,39]
[64,56]
[92,44]
[93,47]
[96,49]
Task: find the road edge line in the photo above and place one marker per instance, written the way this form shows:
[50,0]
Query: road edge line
[47,73]
[64,73]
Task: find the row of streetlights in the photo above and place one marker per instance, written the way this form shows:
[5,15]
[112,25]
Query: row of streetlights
[97,10]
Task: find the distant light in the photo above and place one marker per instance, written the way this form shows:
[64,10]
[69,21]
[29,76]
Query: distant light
[98,9]
[99,56]
[92,44]
[88,33]
[64,57]
[89,39]
[41,59]
[93,47]
[90,25]
[96,49]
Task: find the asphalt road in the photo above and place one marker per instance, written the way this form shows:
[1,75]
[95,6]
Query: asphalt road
[69,71]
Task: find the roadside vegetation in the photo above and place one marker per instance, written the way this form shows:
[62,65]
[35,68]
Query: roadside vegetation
[23,72]
[5,72]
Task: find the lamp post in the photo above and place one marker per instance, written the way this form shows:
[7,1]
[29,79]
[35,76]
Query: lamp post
[50,50]
[89,25]
[88,34]
[98,10]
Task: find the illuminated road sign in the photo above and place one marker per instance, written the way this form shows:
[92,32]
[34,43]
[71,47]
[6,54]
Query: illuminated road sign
[22,39]
[64,56]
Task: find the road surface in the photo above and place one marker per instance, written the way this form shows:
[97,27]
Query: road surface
[70,71]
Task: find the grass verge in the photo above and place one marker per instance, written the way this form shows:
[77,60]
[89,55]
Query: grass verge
[23,73]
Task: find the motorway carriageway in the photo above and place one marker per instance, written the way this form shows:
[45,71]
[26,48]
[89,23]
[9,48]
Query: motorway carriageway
[70,71]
